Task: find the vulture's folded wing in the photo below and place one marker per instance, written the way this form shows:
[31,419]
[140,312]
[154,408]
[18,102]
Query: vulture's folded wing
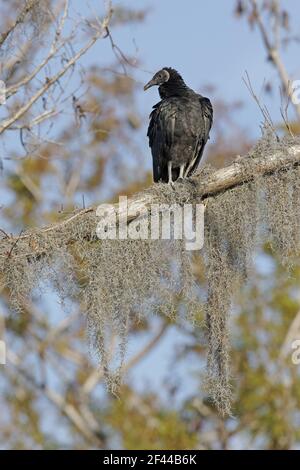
[202,128]
[161,136]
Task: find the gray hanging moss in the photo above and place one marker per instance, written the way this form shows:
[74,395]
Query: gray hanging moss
[118,282]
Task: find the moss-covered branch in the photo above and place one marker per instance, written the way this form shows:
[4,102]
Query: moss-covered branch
[250,202]
[259,162]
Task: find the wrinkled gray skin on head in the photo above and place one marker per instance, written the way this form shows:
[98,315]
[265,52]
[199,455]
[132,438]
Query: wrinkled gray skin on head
[161,77]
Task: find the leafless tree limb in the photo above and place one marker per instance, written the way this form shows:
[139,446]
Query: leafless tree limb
[29,5]
[221,180]
[67,409]
[8,122]
[272,46]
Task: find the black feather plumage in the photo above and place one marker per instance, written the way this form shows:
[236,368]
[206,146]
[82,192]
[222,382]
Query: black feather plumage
[179,127]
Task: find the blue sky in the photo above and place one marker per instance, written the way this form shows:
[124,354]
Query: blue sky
[208,45]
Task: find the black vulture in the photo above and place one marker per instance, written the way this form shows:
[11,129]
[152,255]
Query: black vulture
[179,127]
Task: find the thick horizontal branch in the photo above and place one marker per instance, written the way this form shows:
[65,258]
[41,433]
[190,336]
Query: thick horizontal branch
[201,188]
[245,169]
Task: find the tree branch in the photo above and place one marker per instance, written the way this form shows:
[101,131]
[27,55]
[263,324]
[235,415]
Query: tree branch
[243,170]
[273,50]
[56,45]
[29,5]
[49,82]
[66,408]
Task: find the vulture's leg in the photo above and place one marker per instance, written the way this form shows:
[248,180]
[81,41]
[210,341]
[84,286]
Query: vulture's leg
[181,172]
[189,167]
[170,174]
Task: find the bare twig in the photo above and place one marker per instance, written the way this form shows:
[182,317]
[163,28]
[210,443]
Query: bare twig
[59,401]
[263,109]
[50,81]
[29,5]
[272,47]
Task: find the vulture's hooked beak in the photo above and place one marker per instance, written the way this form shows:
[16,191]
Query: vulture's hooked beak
[150,84]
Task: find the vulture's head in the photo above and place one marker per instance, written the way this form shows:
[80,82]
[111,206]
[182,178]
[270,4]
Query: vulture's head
[165,76]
